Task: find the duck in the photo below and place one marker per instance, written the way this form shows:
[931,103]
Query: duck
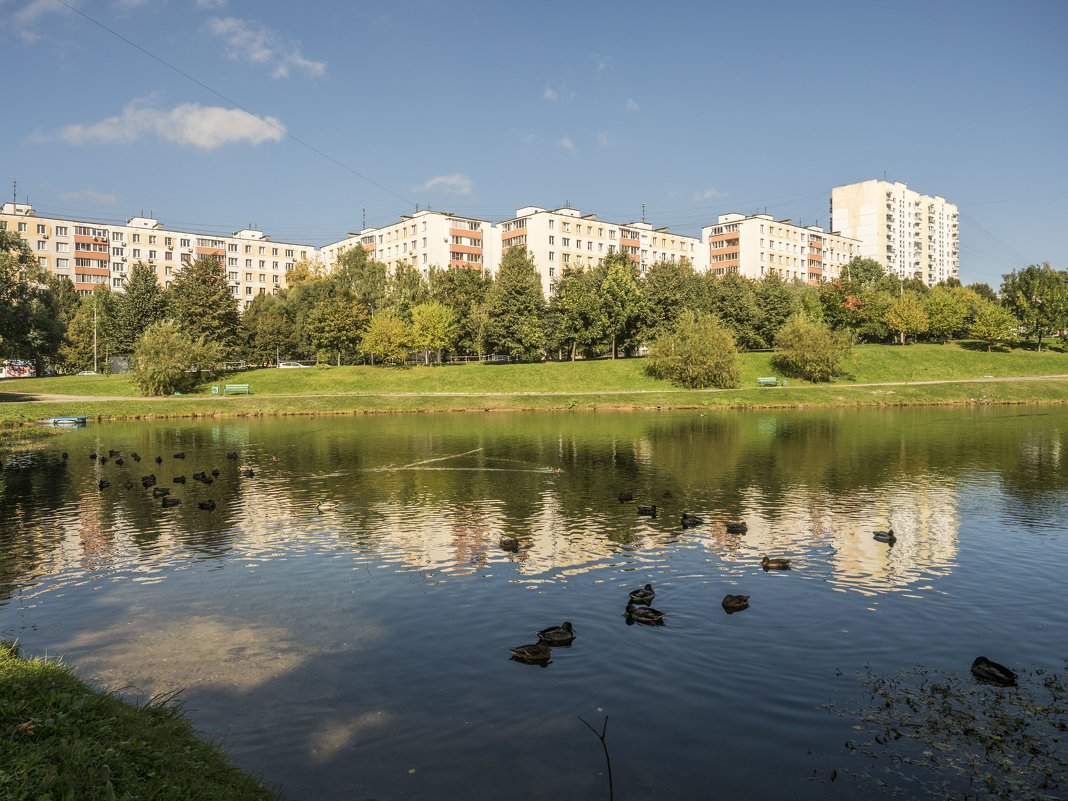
[119,462]
[509,544]
[248,473]
[775,563]
[159,460]
[180,455]
[92,456]
[647,511]
[533,653]
[64,456]
[558,635]
[199,476]
[208,506]
[171,502]
[159,492]
[626,496]
[178,479]
[644,614]
[325,507]
[231,455]
[114,453]
[992,673]
[689,521]
[134,456]
[643,595]
[127,484]
[737,528]
[215,473]
[104,484]
[885,536]
[735,603]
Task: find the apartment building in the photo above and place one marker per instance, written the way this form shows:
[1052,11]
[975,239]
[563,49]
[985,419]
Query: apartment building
[423,240]
[92,254]
[564,238]
[760,245]
[911,235]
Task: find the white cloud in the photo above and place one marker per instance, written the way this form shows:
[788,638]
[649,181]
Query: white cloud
[26,17]
[90,195]
[529,138]
[211,3]
[568,145]
[604,140]
[206,127]
[549,93]
[255,42]
[631,105]
[707,194]
[455,184]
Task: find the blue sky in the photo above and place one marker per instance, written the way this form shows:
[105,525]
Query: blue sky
[296,117]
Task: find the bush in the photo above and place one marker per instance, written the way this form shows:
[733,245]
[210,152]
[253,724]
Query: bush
[166,360]
[697,352]
[809,350]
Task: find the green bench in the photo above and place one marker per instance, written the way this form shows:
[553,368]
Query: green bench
[771,381]
[235,389]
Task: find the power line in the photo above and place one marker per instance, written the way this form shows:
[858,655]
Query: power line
[234,103]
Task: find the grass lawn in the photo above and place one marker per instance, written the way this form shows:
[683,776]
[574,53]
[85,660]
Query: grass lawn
[63,739]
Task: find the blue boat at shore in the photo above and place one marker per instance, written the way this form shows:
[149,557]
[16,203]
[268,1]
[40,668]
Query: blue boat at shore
[65,422]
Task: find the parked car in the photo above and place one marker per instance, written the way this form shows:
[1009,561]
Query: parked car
[291,364]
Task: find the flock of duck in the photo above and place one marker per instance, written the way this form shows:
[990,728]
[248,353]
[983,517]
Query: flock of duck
[149,481]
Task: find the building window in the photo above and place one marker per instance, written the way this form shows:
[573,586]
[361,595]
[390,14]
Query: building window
[22,228]
[41,229]
[136,253]
[61,230]
[552,256]
[136,237]
[248,276]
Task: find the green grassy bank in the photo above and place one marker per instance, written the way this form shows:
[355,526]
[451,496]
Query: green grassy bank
[579,385]
[61,739]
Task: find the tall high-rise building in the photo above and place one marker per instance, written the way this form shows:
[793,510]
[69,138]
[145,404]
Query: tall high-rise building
[911,235]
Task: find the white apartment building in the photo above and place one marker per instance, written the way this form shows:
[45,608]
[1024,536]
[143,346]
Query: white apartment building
[567,238]
[92,254]
[911,235]
[425,239]
[760,245]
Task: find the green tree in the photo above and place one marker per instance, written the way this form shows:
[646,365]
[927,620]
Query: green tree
[776,303]
[865,272]
[367,280]
[141,304]
[697,352]
[733,300]
[167,360]
[984,291]
[810,350]
[32,322]
[573,317]
[906,316]
[407,289]
[89,336]
[992,323]
[463,290]
[76,352]
[386,336]
[620,300]
[947,312]
[514,307]
[337,325]
[1038,298]
[434,327]
[667,289]
[200,302]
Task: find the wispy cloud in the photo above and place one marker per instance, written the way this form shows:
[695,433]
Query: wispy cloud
[550,93]
[707,194]
[568,145]
[253,41]
[631,105]
[210,3]
[90,195]
[604,140]
[455,184]
[130,3]
[205,127]
[24,20]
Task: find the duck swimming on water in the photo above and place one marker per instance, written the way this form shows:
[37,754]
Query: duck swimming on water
[325,507]
[992,673]
[643,595]
[644,614]
[775,563]
[534,653]
[735,603]
[558,635]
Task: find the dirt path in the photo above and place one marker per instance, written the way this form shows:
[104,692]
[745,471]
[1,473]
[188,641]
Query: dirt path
[43,398]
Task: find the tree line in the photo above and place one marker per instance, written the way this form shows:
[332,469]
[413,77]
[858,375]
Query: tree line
[360,312]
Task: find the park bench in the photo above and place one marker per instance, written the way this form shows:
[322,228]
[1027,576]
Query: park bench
[771,381]
[235,389]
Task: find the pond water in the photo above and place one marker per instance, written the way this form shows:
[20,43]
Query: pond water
[363,652]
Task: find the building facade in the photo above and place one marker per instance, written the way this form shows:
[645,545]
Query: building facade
[93,254]
[423,240]
[911,235]
[564,238]
[760,245]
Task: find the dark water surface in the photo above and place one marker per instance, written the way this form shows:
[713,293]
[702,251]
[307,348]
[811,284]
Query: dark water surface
[364,652]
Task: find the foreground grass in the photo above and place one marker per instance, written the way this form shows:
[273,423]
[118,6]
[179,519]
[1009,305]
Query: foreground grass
[60,739]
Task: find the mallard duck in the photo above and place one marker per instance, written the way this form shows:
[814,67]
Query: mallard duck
[737,528]
[644,614]
[127,484]
[171,502]
[885,536]
[509,544]
[735,603]
[643,595]
[647,511]
[208,506]
[134,456]
[179,455]
[159,460]
[248,473]
[626,496]
[325,507]
[119,462]
[114,453]
[159,492]
[689,521]
[104,484]
[775,563]
[215,473]
[231,455]
[558,635]
[534,652]
[178,479]
[992,673]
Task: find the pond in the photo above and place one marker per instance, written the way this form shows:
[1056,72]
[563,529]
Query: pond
[364,651]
